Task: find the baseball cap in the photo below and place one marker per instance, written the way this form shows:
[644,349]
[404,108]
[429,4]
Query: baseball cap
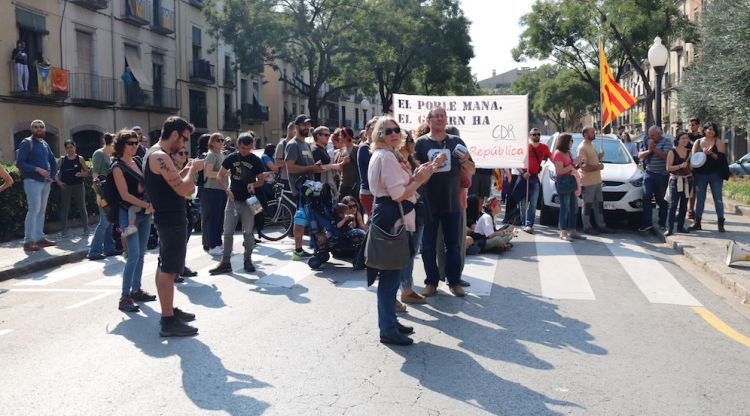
[301,119]
[137,128]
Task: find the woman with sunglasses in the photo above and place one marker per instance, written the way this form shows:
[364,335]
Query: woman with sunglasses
[391,185]
[709,174]
[215,195]
[182,162]
[320,154]
[130,184]
[73,169]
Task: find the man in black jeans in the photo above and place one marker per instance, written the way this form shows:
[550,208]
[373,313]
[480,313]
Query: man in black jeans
[167,191]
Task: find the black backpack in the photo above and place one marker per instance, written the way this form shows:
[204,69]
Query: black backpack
[107,191]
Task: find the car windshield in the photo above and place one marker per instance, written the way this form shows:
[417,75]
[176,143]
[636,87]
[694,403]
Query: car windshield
[614,151]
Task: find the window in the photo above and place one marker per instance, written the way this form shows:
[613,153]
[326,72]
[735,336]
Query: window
[356,118]
[256,93]
[198,109]
[294,110]
[343,115]
[196,43]
[243,91]
[85,50]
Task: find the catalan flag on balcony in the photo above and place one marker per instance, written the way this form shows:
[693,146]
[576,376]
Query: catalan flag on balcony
[614,98]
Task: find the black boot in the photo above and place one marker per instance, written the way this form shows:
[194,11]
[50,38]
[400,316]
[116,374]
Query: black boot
[696,225]
[721,225]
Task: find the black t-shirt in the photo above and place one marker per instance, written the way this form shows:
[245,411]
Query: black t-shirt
[694,137]
[243,170]
[68,170]
[443,189]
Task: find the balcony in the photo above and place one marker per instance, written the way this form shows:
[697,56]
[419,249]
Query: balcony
[163,21]
[231,120]
[28,88]
[229,76]
[202,71]
[92,90]
[254,112]
[92,4]
[137,12]
[160,99]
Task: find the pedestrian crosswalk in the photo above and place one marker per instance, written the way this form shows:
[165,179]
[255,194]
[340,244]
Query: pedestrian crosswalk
[556,265]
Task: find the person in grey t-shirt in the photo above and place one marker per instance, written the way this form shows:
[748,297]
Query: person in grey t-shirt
[655,180]
[291,131]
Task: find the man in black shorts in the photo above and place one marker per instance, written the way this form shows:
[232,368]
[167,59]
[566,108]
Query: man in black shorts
[167,191]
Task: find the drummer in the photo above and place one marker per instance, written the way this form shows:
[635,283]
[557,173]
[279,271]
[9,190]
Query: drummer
[654,154]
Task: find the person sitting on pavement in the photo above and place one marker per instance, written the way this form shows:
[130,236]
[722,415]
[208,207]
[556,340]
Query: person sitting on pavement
[247,176]
[485,235]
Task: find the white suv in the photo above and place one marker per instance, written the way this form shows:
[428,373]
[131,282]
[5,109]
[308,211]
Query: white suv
[621,176]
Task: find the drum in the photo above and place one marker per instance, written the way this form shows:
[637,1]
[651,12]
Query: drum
[698,159]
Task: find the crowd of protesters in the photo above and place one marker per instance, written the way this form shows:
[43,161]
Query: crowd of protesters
[423,183]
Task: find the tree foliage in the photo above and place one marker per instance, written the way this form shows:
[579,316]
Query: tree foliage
[568,31]
[717,85]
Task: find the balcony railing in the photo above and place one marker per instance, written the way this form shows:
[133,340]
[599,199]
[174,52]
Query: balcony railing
[254,112]
[24,83]
[231,120]
[92,4]
[229,78]
[164,21]
[89,89]
[137,12]
[202,71]
[160,99]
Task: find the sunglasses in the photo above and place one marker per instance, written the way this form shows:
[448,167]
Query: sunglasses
[129,143]
[390,131]
[536,134]
[353,206]
[182,153]
[37,126]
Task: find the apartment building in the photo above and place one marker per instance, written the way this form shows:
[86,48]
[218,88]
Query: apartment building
[102,65]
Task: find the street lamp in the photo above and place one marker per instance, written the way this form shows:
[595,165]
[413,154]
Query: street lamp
[546,127]
[562,116]
[657,57]
[365,107]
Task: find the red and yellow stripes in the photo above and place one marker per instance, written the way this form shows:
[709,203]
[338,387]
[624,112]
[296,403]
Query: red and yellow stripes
[614,98]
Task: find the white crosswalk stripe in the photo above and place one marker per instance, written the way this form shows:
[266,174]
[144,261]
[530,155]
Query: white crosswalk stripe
[560,271]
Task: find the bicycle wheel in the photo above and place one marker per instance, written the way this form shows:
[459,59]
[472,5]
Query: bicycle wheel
[278,221]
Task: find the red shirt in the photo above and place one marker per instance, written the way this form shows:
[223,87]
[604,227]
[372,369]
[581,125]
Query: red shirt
[536,156]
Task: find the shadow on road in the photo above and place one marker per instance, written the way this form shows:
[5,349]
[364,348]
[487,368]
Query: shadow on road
[205,380]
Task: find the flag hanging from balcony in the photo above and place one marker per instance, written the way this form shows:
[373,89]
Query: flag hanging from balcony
[614,98]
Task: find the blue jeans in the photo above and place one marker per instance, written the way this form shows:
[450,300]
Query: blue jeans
[214,203]
[387,287]
[568,211]
[406,278]
[451,223]
[102,236]
[701,186]
[677,200]
[528,213]
[655,185]
[37,194]
[137,246]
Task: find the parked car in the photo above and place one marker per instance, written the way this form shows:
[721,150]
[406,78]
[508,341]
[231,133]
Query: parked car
[621,176]
[741,167]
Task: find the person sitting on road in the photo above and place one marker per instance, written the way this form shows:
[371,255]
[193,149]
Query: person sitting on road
[347,222]
[485,235]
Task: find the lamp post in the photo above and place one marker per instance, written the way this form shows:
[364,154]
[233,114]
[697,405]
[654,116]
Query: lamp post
[546,127]
[562,116]
[365,107]
[657,57]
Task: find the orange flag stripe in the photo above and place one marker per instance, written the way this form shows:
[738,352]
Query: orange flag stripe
[615,99]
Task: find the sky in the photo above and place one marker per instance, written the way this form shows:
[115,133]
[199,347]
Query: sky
[494,33]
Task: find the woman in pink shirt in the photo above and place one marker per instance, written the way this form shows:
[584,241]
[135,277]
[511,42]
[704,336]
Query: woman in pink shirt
[390,182]
[565,184]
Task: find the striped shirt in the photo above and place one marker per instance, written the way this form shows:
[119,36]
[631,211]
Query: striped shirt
[654,163]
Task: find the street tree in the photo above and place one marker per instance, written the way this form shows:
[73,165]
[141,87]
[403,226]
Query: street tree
[717,85]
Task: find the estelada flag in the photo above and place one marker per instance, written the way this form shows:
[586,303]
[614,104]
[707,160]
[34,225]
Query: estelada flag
[615,99]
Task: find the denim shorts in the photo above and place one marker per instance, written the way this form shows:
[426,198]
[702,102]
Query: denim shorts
[172,247]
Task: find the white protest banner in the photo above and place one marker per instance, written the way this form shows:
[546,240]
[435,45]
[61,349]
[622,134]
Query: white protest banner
[494,127]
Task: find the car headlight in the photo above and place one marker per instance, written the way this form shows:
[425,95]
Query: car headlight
[637,182]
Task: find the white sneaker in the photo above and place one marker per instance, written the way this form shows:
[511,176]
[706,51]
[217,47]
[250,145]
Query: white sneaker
[216,251]
[528,229]
[129,230]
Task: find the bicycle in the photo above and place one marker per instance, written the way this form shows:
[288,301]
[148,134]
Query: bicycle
[279,216]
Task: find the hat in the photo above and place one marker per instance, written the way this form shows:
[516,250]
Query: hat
[137,128]
[301,119]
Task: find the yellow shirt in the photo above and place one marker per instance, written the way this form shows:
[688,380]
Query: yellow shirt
[588,152]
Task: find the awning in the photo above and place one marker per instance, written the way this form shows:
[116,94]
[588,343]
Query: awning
[31,21]
[136,67]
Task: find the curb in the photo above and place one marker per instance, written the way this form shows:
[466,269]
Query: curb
[736,208]
[47,263]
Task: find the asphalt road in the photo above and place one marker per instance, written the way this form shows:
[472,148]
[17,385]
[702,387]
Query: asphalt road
[615,326]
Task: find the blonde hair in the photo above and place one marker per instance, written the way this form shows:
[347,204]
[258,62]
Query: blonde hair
[211,141]
[378,133]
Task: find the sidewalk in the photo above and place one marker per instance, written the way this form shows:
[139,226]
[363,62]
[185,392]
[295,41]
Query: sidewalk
[708,248]
[14,262]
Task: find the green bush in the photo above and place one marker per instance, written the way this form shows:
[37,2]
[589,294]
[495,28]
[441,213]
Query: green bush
[13,206]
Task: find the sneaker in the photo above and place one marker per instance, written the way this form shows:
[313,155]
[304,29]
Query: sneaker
[126,305]
[186,272]
[668,233]
[29,247]
[463,283]
[400,307]
[179,279]
[141,295]
[216,251]
[566,237]
[44,242]
[646,228]
[396,339]
[222,268]
[183,316]
[248,266]
[529,229]
[413,298]
[591,231]
[429,290]
[129,230]
[174,327]
[300,255]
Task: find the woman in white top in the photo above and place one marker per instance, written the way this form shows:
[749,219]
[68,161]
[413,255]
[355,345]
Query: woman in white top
[391,182]
[485,226]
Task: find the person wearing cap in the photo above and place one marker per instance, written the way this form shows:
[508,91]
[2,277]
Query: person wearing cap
[142,142]
[300,164]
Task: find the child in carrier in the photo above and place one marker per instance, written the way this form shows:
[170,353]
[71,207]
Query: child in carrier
[131,228]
